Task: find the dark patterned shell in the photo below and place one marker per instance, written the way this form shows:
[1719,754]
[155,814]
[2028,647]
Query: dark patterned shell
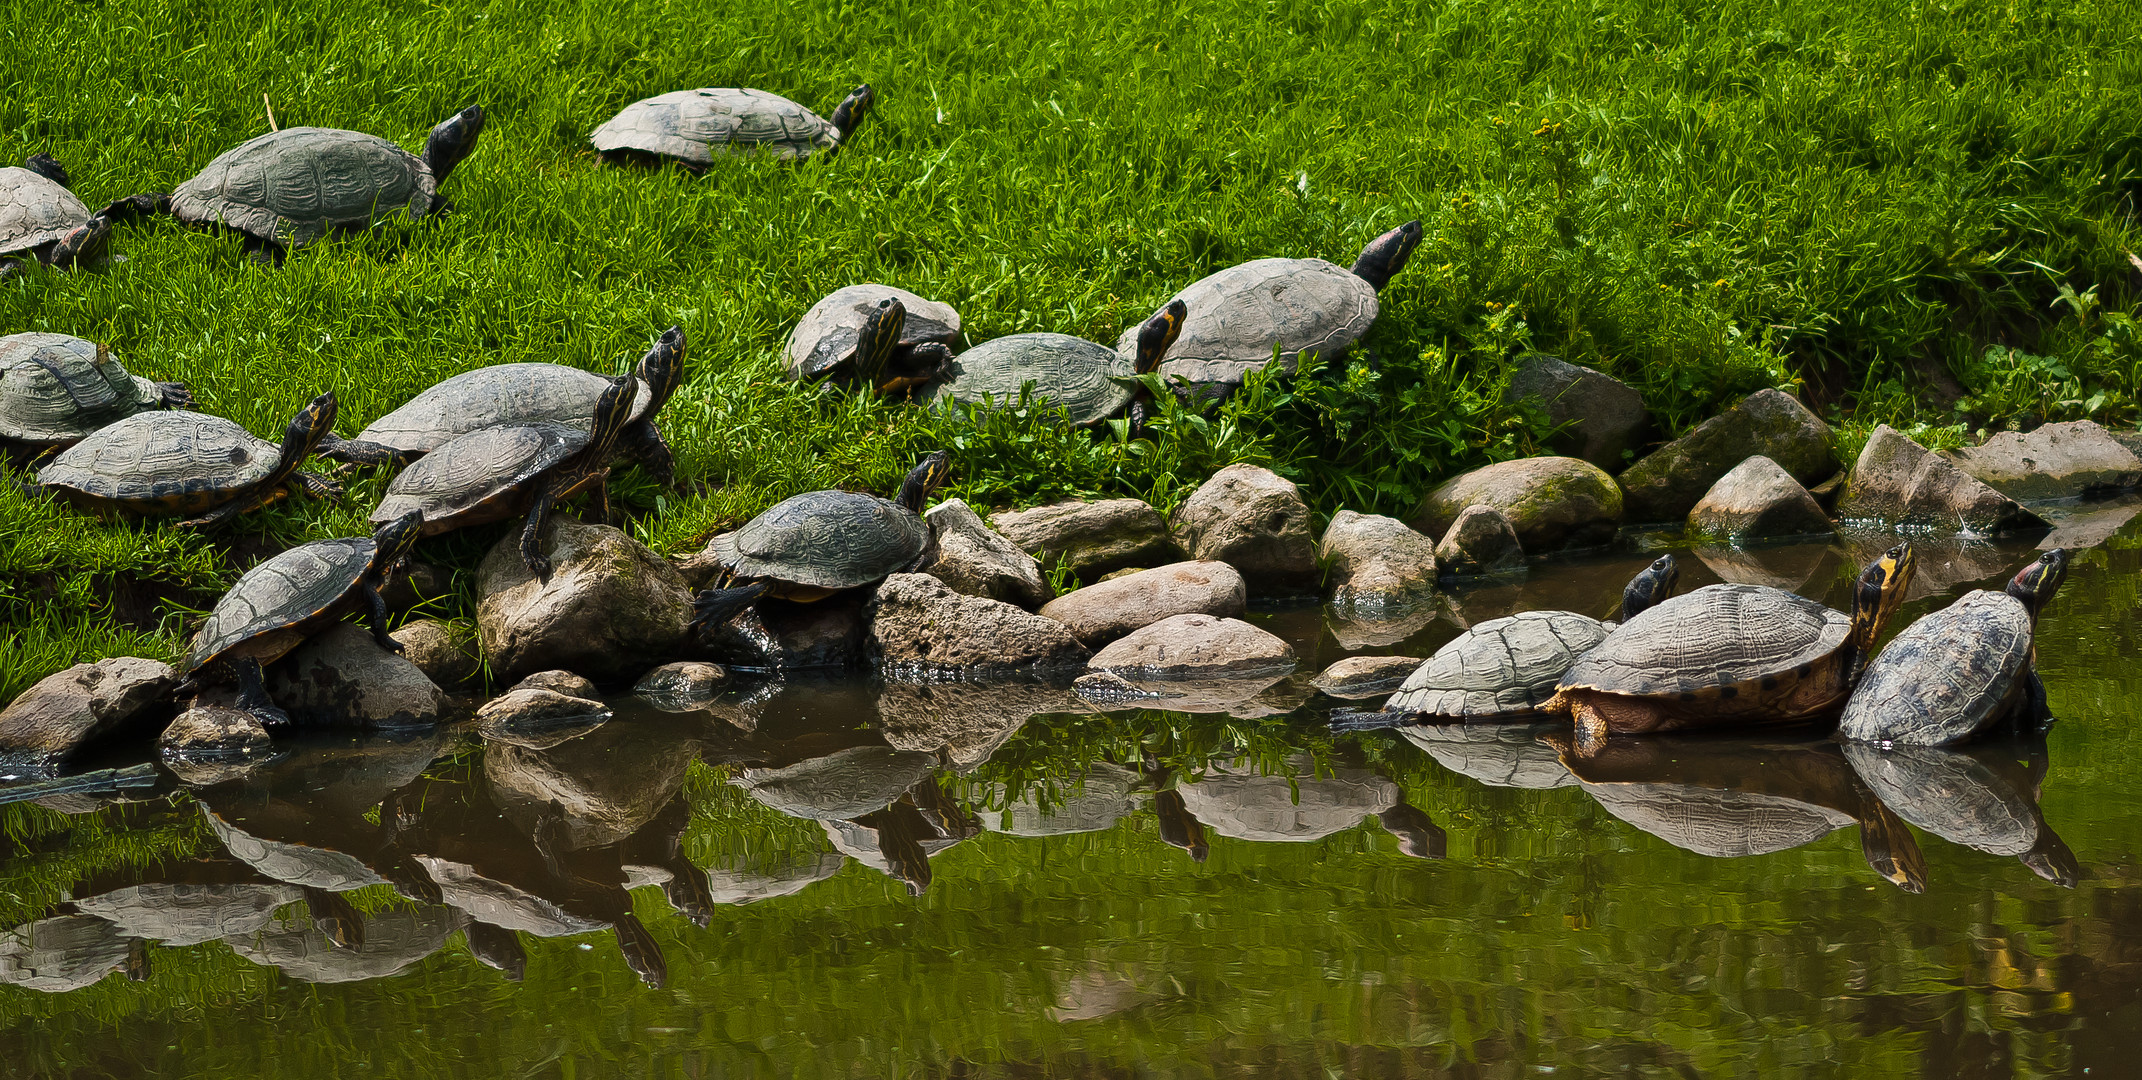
[826,336]
[694,125]
[1945,677]
[1238,315]
[1718,822]
[500,394]
[1954,796]
[293,185]
[35,211]
[825,539]
[153,458]
[474,479]
[1500,668]
[1716,637]
[55,388]
[279,594]
[1077,374]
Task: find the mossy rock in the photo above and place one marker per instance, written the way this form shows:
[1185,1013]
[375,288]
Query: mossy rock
[1668,482]
[1554,503]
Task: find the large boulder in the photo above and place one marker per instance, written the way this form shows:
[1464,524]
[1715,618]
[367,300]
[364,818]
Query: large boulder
[1255,521]
[63,711]
[1552,502]
[342,678]
[1899,482]
[1195,647]
[1606,418]
[782,635]
[2057,461]
[611,606]
[1092,538]
[1756,501]
[1099,614]
[920,626]
[974,560]
[1667,483]
[2132,440]
[1481,541]
[1376,562]
[437,652]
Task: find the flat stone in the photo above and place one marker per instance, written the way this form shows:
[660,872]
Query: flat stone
[2056,461]
[974,559]
[1092,538]
[1758,500]
[920,626]
[1553,503]
[1898,482]
[1376,562]
[561,682]
[1365,676]
[1099,614]
[1667,483]
[432,647]
[1255,521]
[1607,418]
[782,635]
[1195,646]
[52,719]
[213,732]
[611,606]
[342,678]
[537,718]
[684,683]
[1480,542]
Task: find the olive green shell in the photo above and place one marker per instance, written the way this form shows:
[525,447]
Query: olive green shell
[293,186]
[824,339]
[56,389]
[283,593]
[500,394]
[478,477]
[163,461]
[1240,315]
[1079,375]
[1718,641]
[1946,677]
[1499,669]
[825,539]
[694,125]
[35,210]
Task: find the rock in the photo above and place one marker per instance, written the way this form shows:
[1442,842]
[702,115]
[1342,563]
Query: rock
[781,635]
[920,626]
[1195,646]
[1758,500]
[1899,482]
[431,646]
[1365,676]
[1552,502]
[1240,696]
[213,732]
[974,560]
[1092,538]
[1125,572]
[1607,417]
[1826,492]
[1481,541]
[1255,521]
[1375,562]
[52,719]
[342,678]
[1099,614]
[1667,483]
[682,684]
[559,682]
[611,606]
[2057,461]
[2132,440]
[537,718]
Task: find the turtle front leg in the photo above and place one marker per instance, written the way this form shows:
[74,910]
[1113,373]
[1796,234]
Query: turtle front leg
[1591,728]
[645,444]
[222,515]
[376,616]
[316,486]
[253,694]
[532,533]
[265,252]
[359,452]
[174,395]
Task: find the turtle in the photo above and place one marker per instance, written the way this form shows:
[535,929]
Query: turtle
[1975,798]
[828,341]
[524,393]
[179,462]
[1505,669]
[1727,656]
[288,188]
[1091,382]
[56,389]
[821,543]
[511,470]
[42,222]
[1243,316]
[691,126]
[1960,671]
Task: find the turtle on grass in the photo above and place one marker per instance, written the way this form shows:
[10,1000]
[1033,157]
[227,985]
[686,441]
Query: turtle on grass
[876,336]
[42,222]
[55,390]
[691,126]
[1091,382]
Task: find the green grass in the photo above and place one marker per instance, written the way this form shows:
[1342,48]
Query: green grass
[1700,199]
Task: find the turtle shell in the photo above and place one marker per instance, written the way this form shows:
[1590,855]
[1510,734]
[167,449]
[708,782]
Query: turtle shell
[825,540]
[1498,755]
[1946,677]
[284,593]
[501,394]
[694,125]
[1501,668]
[35,210]
[477,477]
[292,186]
[1239,315]
[56,389]
[1079,375]
[1952,795]
[1721,823]
[825,338]
[176,462]
[1718,641]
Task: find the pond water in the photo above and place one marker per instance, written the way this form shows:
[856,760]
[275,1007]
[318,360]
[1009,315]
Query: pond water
[825,879]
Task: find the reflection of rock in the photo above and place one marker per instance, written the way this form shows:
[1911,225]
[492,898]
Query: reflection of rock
[1357,630]
[969,721]
[1789,568]
[609,783]
[62,953]
[1238,696]
[1499,755]
[1104,795]
[682,686]
[2087,527]
[182,914]
[538,719]
[1945,562]
[845,784]
[392,940]
[1237,801]
[737,885]
[866,844]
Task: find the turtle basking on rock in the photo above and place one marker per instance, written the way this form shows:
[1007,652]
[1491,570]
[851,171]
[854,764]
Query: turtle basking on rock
[887,339]
[42,222]
[1091,382]
[55,390]
[164,463]
[691,126]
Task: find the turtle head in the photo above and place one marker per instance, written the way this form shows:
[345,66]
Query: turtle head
[613,410]
[312,424]
[848,115]
[926,477]
[1158,333]
[714,607]
[876,340]
[1386,255]
[46,166]
[662,369]
[451,141]
[1877,594]
[1647,589]
[392,543]
[85,243]
[2035,584]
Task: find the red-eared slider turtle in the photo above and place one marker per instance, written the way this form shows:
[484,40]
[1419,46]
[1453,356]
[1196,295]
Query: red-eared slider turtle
[282,601]
[41,220]
[691,126]
[1241,315]
[56,389]
[521,394]
[509,470]
[1960,671]
[872,335]
[1092,382]
[157,463]
[1731,656]
[1505,669]
[823,542]
[1982,798]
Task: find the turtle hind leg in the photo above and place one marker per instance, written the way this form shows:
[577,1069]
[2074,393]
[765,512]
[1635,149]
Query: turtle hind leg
[253,694]
[265,252]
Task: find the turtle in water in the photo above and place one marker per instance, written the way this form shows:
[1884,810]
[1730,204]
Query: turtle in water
[1985,797]
[1505,669]
[511,470]
[289,188]
[1730,656]
[1091,382]
[872,335]
[42,222]
[55,390]
[520,394]
[1243,315]
[1960,671]
[691,126]
[177,462]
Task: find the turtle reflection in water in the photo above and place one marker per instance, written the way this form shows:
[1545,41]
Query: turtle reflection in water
[1984,798]
[1299,805]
